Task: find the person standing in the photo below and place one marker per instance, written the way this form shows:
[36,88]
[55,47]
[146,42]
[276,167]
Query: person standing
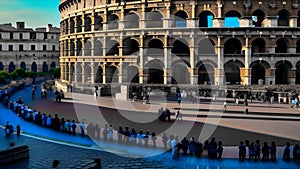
[165,141]
[273,151]
[220,150]
[265,151]
[286,152]
[242,151]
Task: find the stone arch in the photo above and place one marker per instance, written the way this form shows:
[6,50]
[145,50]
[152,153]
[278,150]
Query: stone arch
[180,48]
[180,73]
[34,67]
[260,16]
[113,21]
[1,66]
[132,74]
[72,48]
[281,45]
[79,71]
[23,66]
[155,71]
[232,18]
[130,46]
[72,25]
[283,17]
[79,47]
[11,67]
[87,72]
[87,23]
[112,74]
[282,72]
[98,48]
[154,19]
[87,48]
[205,19]
[112,47]
[53,65]
[131,20]
[206,46]
[206,72]
[258,45]
[233,46]
[98,23]
[180,18]
[45,67]
[99,75]
[155,47]
[78,24]
[258,70]
[232,71]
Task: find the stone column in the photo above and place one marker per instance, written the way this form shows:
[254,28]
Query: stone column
[218,22]
[104,73]
[292,76]
[75,24]
[121,45]
[75,47]
[105,20]
[62,71]
[193,49]
[69,24]
[83,23]
[104,46]
[167,62]
[75,72]
[69,72]
[121,20]
[93,21]
[141,64]
[82,47]
[92,73]
[246,71]
[270,76]
[219,71]
[92,45]
[83,72]
[193,21]
[142,22]
[120,76]
[293,21]
[291,48]
[270,21]
[167,21]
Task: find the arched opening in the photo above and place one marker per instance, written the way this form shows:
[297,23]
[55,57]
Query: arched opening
[98,23]
[87,24]
[155,72]
[72,48]
[258,73]
[87,72]
[72,25]
[79,71]
[78,24]
[180,74]
[53,65]
[45,67]
[180,19]
[206,74]
[154,19]
[112,48]
[112,74]
[180,48]
[34,67]
[298,47]
[23,66]
[232,72]
[113,21]
[257,17]
[282,72]
[132,74]
[206,19]
[233,46]
[283,18]
[1,66]
[131,20]
[298,73]
[130,46]
[87,48]
[98,48]
[281,46]
[79,47]
[206,47]
[11,67]
[155,48]
[99,75]
[232,19]
[258,45]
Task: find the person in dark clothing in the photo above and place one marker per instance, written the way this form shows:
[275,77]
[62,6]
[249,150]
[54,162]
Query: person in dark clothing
[120,134]
[286,152]
[126,135]
[199,149]
[265,151]
[184,145]
[296,152]
[242,151]
[257,150]
[56,122]
[220,150]
[213,148]
[273,151]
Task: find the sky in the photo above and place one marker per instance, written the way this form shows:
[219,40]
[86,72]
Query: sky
[36,13]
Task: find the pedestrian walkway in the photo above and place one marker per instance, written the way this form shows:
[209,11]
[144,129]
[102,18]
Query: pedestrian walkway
[43,136]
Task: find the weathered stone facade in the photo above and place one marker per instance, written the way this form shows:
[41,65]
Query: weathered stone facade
[184,41]
[33,50]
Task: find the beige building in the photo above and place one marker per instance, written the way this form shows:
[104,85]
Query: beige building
[35,50]
[182,41]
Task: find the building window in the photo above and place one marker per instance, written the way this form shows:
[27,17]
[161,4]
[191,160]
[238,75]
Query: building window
[0,47]
[11,35]
[33,47]
[21,48]
[53,47]
[52,37]
[44,47]
[0,36]
[10,47]
[20,36]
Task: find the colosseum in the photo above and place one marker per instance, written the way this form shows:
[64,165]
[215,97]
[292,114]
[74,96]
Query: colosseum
[184,41]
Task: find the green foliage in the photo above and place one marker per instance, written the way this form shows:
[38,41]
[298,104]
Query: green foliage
[5,74]
[56,73]
[2,79]
[21,72]
[14,75]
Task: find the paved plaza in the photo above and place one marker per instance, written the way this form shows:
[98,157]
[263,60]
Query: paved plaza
[270,122]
